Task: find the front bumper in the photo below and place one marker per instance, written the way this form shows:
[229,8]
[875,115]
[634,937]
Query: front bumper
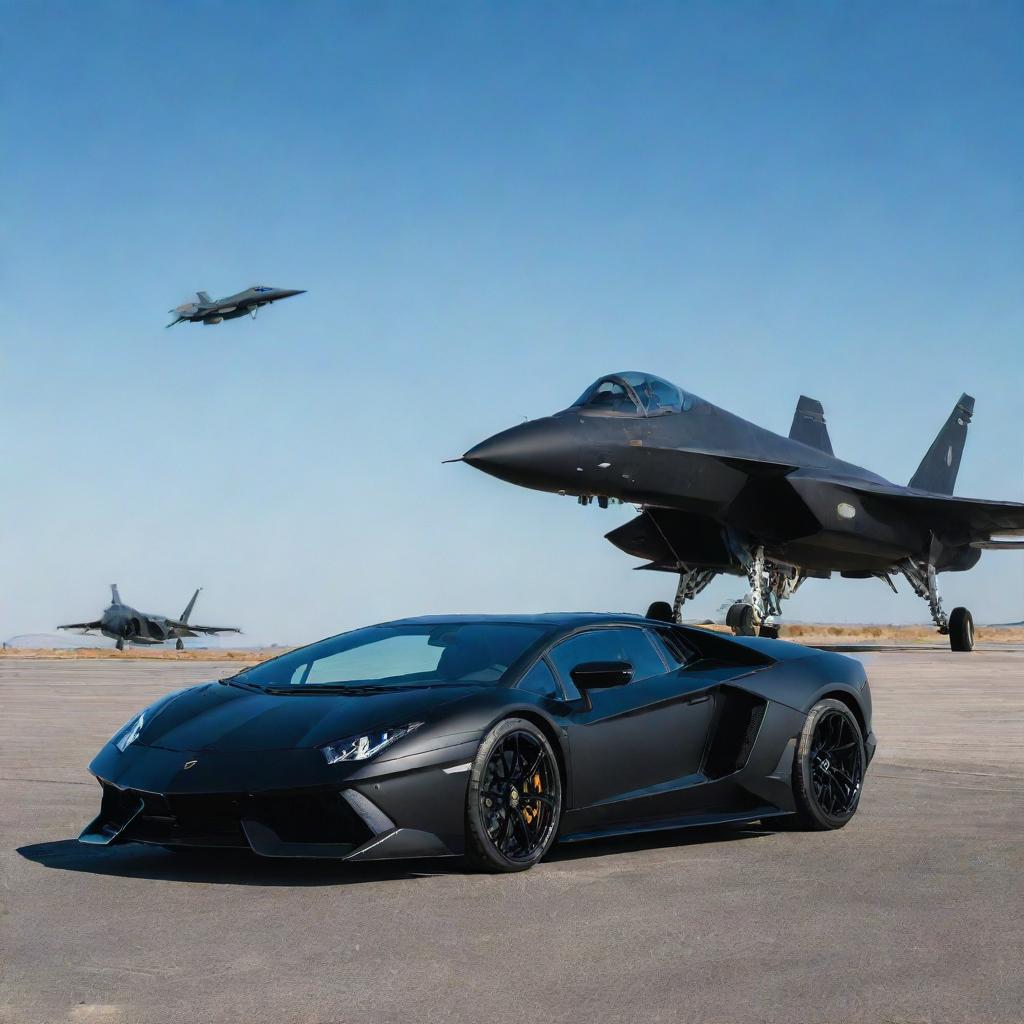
[403,807]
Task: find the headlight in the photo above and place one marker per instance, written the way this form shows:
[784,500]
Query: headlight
[361,748]
[130,733]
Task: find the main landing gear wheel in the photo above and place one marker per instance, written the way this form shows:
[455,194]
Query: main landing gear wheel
[828,771]
[120,643]
[740,619]
[514,798]
[179,646]
[961,630]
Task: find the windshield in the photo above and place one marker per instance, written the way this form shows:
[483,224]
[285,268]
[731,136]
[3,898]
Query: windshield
[403,655]
[635,394]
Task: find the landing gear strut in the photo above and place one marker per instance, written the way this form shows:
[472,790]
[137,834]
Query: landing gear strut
[959,624]
[770,584]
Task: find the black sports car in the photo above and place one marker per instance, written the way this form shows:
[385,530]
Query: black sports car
[491,737]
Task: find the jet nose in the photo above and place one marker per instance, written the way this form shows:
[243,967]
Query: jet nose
[540,453]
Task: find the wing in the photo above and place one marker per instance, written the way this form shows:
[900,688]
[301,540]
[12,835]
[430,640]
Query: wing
[82,625]
[975,517]
[191,629]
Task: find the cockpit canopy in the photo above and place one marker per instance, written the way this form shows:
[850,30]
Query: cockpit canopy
[634,394]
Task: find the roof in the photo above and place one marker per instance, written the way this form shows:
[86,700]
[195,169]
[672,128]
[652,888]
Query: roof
[571,619]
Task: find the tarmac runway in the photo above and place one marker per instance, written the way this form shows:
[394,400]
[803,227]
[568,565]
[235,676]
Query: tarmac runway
[914,913]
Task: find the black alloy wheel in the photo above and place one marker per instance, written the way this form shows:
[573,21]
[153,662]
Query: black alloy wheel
[828,773]
[514,799]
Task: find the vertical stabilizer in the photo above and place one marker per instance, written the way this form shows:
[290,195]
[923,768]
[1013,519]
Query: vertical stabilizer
[115,597]
[809,425]
[188,608]
[204,299]
[939,467]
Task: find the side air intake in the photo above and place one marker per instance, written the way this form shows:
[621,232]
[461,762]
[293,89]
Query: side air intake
[735,730]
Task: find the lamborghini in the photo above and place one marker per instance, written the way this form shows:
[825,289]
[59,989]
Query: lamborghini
[491,738]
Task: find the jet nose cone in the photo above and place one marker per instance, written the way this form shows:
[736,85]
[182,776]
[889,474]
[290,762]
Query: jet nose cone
[539,454]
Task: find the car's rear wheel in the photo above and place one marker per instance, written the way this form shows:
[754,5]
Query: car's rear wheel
[514,798]
[828,771]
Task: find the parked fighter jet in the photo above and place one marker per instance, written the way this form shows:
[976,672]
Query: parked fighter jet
[213,311]
[127,625]
[722,495]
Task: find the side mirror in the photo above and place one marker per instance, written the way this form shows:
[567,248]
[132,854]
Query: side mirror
[599,675]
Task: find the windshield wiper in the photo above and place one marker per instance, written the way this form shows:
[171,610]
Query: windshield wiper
[241,682]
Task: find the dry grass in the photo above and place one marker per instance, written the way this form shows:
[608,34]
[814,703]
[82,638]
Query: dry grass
[823,632]
[141,654]
[800,632]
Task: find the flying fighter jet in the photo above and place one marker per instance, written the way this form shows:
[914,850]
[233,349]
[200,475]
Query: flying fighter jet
[718,494]
[127,625]
[213,311]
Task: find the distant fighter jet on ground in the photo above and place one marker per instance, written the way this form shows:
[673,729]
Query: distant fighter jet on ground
[721,495]
[214,311]
[126,625]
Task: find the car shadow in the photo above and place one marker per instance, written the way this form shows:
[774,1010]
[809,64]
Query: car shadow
[224,867]
[239,867]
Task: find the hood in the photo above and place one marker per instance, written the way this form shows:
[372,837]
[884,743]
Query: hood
[226,718]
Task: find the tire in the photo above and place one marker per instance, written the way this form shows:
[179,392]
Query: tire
[511,822]
[961,630]
[179,646]
[120,643]
[740,619]
[828,796]
[661,611]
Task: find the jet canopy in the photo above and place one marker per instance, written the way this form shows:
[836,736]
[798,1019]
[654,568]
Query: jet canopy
[634,394]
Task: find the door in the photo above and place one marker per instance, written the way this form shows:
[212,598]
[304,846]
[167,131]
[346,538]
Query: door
[635,746]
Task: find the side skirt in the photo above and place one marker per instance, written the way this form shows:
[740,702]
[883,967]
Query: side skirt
[669,824]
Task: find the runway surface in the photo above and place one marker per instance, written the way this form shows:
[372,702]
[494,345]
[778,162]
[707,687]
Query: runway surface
[914,913]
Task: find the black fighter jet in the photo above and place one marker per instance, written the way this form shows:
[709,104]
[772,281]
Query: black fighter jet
[721,495]
[127,625]
[214,311]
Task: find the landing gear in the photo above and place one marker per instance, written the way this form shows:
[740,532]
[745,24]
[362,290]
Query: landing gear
[771,583]
[959,625]
[691,583]
[178,645]
[740,619]
[120,643]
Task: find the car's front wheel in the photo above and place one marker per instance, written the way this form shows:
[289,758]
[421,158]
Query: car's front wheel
[514,798]
[828,771]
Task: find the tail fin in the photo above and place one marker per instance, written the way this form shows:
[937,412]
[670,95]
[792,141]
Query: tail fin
[188,608]
[809,425]
[115,597]
[939,467]
[203,298]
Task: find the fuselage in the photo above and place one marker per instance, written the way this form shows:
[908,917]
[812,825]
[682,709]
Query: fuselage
[729,484]
[122,622]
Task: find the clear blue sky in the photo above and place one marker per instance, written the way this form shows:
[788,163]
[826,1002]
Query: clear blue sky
[490,205]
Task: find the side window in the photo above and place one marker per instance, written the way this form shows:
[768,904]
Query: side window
[632,645]
[540,680]
[676,652]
